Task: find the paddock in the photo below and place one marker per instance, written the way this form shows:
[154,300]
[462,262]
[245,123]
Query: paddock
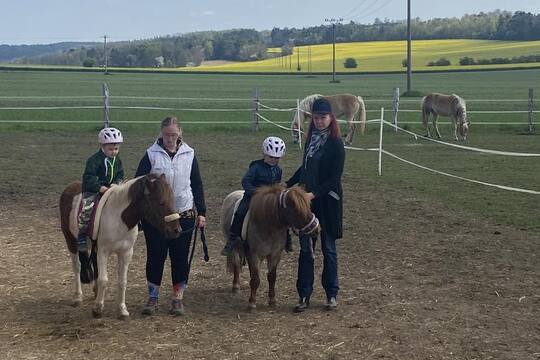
[430,266]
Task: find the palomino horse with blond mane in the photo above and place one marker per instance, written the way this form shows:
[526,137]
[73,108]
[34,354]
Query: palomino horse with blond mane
[346,105]
[148,198]
[452,106]
[273,209]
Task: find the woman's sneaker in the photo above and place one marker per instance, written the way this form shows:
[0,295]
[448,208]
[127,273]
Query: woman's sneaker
[302,305]
[177,307]
[151,306]
[331,304]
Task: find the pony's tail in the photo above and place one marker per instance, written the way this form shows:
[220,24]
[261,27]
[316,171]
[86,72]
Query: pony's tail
[66,203]
[425,110]
[233,261]
[362,115]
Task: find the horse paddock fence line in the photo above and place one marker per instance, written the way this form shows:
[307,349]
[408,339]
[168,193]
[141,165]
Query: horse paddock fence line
[382,151]
[258,106]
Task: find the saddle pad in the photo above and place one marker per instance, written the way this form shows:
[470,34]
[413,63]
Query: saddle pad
[243,234]
[99,208]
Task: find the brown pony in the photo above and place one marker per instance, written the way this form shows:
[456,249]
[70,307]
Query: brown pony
[452,106]
[148,198]
[342,105]
[272,210]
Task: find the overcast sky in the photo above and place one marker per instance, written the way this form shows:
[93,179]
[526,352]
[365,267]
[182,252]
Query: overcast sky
[49,21]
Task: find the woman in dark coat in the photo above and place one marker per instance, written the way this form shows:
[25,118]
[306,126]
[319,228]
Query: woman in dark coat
[320,174]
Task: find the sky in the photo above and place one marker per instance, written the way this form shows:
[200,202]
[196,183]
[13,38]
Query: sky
[50,21]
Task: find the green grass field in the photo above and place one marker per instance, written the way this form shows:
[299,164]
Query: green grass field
[238,144]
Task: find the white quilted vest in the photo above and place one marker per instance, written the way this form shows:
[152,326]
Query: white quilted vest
[177,172]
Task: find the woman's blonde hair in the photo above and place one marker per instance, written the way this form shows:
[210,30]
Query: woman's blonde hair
[170,120]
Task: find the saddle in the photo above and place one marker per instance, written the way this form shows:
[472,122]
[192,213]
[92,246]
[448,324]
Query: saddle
[95,215]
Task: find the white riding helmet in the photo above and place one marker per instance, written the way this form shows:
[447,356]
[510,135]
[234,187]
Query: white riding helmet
[273,146]
[110,135]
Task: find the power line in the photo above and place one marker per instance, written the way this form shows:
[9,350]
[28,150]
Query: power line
[374,10]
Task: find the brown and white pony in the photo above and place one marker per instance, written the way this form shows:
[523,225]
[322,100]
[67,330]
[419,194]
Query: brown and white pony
[272,210]
[342,105]
[453,106]
[148,198]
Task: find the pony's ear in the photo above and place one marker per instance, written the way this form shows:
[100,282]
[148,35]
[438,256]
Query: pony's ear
[149,184]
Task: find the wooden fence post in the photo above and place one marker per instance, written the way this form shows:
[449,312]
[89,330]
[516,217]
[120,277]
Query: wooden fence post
[531,108]
[105,105]
[255,123]
[395,107]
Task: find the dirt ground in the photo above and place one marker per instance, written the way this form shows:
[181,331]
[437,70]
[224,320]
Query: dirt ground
[444,287]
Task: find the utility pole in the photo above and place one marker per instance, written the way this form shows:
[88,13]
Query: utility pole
[409,39]
[334,22]
[105,52]
[298,68]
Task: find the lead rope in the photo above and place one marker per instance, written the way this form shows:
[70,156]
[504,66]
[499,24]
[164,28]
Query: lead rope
[205,249]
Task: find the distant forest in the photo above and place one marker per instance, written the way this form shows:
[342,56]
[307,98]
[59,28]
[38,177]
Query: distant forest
[248,44]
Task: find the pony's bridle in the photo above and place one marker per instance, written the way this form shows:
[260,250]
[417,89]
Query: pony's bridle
[312,224]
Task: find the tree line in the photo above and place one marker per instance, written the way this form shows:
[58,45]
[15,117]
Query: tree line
[248,44]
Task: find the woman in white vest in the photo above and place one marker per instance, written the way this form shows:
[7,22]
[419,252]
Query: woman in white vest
[171,156]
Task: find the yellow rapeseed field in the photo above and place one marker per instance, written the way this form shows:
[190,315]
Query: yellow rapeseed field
[386,56]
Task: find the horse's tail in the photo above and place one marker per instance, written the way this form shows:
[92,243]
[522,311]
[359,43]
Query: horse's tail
[235,260]
[362,114]
[426,108]
[66,205]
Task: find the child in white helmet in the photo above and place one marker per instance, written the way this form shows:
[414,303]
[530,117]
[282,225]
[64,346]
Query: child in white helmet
[265,171]
[103,169]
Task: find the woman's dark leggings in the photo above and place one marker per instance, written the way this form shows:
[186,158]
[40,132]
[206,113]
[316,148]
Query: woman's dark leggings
[157,247]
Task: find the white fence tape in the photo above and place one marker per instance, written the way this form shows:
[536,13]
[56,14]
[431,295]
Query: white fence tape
[462,178]
[496,152]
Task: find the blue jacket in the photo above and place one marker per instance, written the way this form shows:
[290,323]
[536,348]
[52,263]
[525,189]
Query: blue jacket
[259,174]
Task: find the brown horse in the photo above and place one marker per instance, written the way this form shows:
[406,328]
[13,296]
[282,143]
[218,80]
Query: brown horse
[452,106]
[148,198]
[272,210]
[342,105]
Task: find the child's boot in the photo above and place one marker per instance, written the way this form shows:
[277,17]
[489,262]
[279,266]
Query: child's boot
[230,245]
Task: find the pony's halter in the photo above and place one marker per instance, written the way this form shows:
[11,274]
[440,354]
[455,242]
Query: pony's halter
[310,227]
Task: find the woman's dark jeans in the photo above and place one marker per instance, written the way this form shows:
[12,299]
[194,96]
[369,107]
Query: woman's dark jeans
[306,265]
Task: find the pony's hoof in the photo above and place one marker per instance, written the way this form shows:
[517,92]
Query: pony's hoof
[77,300]
[97,314]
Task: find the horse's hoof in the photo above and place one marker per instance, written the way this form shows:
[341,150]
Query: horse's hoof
[76,302]
[272,303]
[123,317]
[251,307]
[235,290]
[96,314]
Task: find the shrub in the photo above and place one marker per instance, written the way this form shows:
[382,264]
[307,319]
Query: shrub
[350,63]
[440,62]
[89,62]
[466,60]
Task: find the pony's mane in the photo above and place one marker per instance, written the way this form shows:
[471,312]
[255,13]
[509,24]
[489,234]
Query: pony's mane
[308,101]
[265,205]
[138,184]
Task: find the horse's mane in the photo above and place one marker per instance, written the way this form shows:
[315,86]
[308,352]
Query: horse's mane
[265,206]
[307,103]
